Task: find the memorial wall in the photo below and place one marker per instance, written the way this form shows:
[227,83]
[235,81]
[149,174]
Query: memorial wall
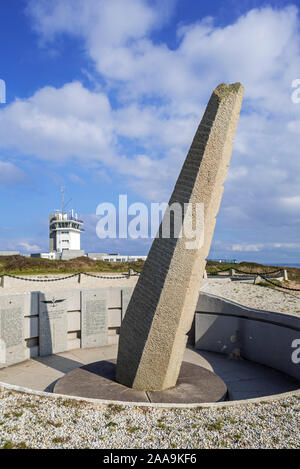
[40,324]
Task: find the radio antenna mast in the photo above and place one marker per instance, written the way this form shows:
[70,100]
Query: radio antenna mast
[63,200]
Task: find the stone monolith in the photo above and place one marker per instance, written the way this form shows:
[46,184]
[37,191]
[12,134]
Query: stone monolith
[159,316]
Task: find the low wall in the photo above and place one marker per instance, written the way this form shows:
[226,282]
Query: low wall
[263,337]
[235,275]
[25,283]
[41,323]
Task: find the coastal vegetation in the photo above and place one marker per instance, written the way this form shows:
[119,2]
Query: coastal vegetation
[23,265]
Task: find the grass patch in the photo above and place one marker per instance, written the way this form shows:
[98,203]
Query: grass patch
[17,414]
[60,439]
[115,408]
[111,424]
[216,426]
[212,267]
[264,283]
[161,426]
[10,445]
[70,403]
[133,429]
[21,265]
[54,424]
[232,420]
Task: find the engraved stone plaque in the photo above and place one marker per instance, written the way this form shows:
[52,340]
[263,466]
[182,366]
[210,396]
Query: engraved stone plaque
[94,318]
[126,295]
[114,298]
[53,325]
[155,329]
[12,338]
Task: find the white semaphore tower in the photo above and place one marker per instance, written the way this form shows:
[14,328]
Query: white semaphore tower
[64,231]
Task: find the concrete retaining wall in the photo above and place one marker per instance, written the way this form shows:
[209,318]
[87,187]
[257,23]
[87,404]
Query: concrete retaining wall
[41,323]
[263,337]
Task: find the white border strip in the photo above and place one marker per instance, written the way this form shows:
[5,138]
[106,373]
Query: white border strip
[102,402]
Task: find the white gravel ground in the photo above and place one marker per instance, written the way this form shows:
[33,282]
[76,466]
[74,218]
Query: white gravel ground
[253,296]
[36,422]
[39,422]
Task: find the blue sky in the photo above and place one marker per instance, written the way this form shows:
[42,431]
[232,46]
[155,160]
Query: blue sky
[104,97]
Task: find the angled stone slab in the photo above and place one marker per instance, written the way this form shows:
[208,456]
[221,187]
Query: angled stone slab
[12,334]
[53,323]
[158,318]
[125,298]
[94,318]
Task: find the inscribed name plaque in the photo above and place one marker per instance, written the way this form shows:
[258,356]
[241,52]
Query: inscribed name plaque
[53,323]
[12,337]
[126,295]
[94,318]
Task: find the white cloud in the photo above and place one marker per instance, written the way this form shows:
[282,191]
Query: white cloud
[60,123]
[28,247]
[291,203]
[246,247]
[11,174]
[237,173]
[286,245]
[102,176]
[76,179]
[255,247]
[73,122]
[85,17]
[261,49]
[24,245]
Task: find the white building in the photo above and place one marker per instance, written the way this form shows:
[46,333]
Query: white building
[120,258]
[45,255]
[64,236]
[65,230]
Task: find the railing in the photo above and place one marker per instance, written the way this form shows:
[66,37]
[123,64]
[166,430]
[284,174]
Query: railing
[131,273]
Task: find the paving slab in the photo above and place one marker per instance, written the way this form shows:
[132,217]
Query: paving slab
[97,381]
[247,380]
[244,379]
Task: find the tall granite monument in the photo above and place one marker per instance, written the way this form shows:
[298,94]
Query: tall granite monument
[160,313]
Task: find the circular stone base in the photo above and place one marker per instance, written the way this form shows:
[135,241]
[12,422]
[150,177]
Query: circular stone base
[97,380]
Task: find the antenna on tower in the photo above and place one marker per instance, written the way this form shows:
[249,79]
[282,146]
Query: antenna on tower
[68,203]
[63,200]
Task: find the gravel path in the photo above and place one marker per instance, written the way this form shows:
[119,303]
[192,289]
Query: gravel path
[34,422]
[253,296]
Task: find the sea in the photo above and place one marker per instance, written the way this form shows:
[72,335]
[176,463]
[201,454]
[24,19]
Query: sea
[284,264]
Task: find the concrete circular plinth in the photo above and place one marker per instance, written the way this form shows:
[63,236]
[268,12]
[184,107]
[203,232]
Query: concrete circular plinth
[97,380]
